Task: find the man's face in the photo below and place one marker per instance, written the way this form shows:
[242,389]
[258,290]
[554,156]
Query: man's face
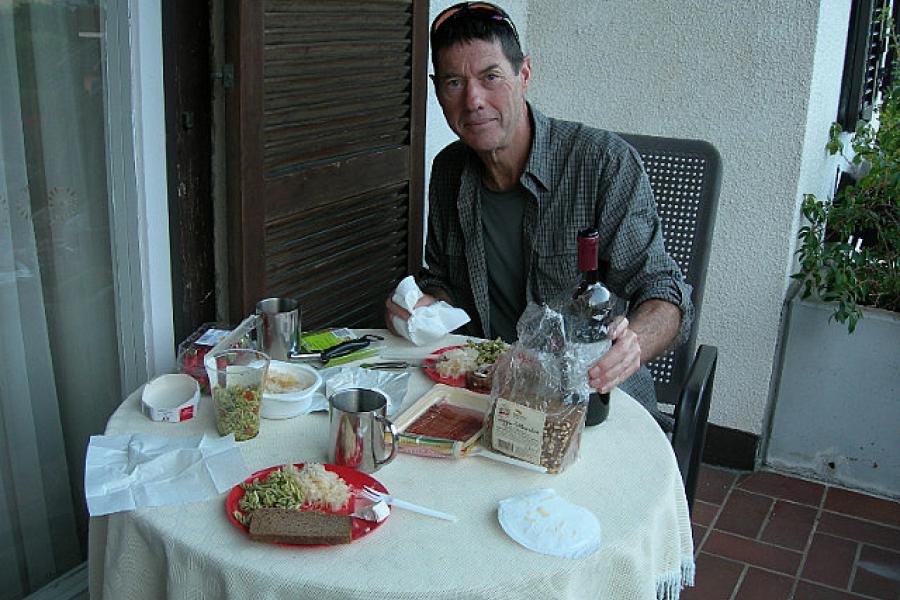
[482,97]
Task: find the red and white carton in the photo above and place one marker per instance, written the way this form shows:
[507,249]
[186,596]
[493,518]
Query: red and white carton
[170,398]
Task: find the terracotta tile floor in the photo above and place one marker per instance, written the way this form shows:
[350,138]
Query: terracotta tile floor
[765,536]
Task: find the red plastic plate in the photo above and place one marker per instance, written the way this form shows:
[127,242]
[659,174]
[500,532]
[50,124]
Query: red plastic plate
[355,479]
[432,373]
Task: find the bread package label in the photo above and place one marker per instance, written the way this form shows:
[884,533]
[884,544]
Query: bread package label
[518,430]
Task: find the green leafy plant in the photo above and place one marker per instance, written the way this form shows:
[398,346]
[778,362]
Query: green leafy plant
[849,251]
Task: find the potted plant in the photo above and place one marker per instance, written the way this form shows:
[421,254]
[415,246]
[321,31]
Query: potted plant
[837,401]
[850,249]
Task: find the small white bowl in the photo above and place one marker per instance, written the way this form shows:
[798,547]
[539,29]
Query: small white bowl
[297,384]
[170,398]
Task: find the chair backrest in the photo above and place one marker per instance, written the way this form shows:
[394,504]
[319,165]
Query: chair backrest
[685,176]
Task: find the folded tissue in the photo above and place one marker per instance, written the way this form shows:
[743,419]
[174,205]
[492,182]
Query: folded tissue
[426,324]
[125,472]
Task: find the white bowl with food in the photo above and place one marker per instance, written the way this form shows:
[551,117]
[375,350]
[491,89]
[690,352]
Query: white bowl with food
[290,390]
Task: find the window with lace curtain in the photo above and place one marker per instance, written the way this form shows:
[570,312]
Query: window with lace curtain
[71,318]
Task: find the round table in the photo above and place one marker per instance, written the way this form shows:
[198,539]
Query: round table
[626,475]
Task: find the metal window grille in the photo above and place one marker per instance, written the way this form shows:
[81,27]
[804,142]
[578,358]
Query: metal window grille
[867,60]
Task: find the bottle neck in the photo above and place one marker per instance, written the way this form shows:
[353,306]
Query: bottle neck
[591,291]
[590,277]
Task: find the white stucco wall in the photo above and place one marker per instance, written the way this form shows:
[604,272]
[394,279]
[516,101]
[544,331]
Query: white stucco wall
[759,80]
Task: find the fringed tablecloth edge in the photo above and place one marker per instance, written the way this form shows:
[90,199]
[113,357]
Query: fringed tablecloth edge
[669,585]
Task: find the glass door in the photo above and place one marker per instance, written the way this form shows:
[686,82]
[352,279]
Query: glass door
[59,356]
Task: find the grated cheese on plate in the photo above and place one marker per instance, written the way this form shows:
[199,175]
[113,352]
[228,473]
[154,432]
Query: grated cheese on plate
[321,488]
[456,362]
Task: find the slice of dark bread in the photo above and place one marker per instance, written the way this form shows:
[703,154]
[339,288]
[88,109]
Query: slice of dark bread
[289,526]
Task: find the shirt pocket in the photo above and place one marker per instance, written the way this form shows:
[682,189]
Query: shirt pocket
[554,270]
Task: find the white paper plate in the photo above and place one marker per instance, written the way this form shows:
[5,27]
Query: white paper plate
[543,521]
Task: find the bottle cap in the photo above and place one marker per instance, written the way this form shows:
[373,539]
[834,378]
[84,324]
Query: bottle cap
[588,240]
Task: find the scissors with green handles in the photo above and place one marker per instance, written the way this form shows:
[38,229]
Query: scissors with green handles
[337,351]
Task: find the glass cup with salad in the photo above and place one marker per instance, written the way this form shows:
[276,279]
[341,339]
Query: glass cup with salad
[236,380]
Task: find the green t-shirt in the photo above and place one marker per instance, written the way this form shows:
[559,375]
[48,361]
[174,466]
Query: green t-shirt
[501,221]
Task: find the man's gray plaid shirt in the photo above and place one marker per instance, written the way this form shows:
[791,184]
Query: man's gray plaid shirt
[578,177]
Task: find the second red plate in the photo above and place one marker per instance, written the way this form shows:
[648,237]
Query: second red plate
[432,373]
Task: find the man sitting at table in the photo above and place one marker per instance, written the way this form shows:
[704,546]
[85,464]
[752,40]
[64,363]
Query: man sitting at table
[507,199]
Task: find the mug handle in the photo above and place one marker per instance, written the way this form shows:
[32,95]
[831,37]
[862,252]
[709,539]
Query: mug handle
[387,427]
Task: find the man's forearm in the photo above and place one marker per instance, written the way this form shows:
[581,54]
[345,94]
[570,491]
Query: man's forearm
[438,293]
[433,289]
[656,323]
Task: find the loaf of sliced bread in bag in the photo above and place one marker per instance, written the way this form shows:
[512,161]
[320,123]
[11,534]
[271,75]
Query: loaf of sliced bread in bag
[289,526]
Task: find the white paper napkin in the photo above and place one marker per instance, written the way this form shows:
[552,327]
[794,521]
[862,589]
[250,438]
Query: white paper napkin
[125,472]
[426,324]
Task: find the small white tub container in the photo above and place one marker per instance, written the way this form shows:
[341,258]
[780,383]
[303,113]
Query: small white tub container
[170,398]
[290,390]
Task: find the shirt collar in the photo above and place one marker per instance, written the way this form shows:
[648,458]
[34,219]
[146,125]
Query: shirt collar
[539,160]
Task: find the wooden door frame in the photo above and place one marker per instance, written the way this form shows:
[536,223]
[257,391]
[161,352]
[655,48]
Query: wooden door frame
[417,134]
[188,105]
[244,182]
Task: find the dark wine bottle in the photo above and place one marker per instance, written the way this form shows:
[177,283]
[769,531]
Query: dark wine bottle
[588,240]
[593,300]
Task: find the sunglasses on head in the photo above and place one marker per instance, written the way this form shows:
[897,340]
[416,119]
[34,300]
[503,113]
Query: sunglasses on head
[485,9]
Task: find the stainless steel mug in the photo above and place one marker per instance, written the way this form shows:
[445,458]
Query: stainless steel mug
[278,327]
[358,430]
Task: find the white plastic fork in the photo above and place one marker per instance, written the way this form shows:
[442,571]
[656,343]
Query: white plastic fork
[375,496]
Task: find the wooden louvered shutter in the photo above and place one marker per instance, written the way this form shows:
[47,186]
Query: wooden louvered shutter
[325,154]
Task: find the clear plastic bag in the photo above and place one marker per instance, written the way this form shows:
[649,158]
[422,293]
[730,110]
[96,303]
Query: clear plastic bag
[393,385]
[194,349]
[540,390]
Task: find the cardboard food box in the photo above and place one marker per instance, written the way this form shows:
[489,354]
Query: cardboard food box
[446,422]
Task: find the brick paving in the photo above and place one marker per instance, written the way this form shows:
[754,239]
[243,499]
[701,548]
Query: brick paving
[766,536]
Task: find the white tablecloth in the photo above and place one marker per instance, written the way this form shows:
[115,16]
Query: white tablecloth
[626,475]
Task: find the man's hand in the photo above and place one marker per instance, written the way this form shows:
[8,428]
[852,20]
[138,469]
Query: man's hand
[392,309]
[620,362]
[653,327]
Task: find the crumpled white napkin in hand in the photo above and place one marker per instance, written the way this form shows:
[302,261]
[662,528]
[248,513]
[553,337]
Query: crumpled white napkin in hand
[426,324]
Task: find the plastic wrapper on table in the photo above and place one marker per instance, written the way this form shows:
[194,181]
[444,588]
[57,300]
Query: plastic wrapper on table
[540,391]
[393,385]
